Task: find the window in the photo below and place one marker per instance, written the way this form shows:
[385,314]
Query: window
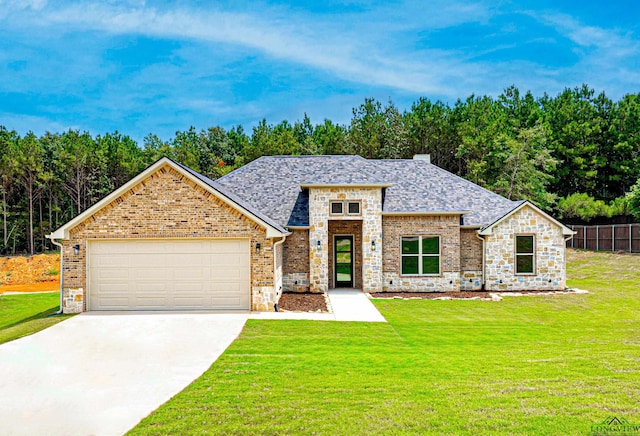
[336,208]
[420,255]
[340,207]
[525,254]
[353,208]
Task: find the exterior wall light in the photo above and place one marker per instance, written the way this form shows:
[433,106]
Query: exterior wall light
[373,245]
[258,248]
[318,245]
[76,249]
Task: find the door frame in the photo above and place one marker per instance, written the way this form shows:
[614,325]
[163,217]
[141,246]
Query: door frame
[336,283]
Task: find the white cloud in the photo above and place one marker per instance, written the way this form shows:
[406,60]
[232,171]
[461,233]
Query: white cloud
[363,51]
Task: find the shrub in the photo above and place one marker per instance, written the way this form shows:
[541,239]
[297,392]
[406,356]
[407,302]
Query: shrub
[633,200]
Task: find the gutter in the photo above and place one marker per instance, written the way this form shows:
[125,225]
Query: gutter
[483,260]
[56,243]
[275,258]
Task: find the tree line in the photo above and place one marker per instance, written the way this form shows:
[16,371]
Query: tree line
[576,155]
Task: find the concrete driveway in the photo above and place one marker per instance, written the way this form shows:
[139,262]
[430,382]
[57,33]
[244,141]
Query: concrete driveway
[100,374]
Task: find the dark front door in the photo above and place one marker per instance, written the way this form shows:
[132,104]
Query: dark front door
[343,261]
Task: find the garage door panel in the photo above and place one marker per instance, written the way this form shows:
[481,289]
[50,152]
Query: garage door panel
[149,287]
[140,272]
[191,273]
[185,287]
[110,273]
[227,276]
[114,287]
[169,274]
[149,304]
[227,259]
[231,287]
[190,303]
[188,261]
[114,303]
[226,302]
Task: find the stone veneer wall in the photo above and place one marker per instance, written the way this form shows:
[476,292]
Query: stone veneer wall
[550,273]
[470,260]
[346,227]
[445,226]
[167,205]
[371,217]
[296,261]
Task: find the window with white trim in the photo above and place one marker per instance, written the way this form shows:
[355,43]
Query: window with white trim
[420,255]
[337,208]
[525,254]
[341,207]
[353,208]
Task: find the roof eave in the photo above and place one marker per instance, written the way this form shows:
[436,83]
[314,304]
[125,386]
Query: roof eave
[346,185]
[425,213]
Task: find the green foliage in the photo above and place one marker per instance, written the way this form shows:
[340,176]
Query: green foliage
[633,200]
[521,147]
[585,207]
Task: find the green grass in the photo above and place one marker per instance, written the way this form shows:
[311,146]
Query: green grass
[526,365]
[23,315]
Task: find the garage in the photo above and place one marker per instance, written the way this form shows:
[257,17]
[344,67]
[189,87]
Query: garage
[169,274]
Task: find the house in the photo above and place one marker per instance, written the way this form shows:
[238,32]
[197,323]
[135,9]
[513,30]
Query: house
[172,239]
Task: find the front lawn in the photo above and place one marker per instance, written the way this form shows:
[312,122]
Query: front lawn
[526,365]
[23,315]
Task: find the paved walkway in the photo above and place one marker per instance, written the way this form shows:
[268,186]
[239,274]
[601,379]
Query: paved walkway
[346,305]
[353,305]
[100,374]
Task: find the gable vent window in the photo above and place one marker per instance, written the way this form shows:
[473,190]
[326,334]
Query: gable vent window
[337,208]
[351,208]
[420,255]
[525,254]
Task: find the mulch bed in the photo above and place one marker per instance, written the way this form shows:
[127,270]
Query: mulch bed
[302,302]
[463,295]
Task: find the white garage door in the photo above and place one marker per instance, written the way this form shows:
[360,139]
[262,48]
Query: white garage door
[169,274]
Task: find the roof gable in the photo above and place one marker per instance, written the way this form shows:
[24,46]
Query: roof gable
[272,227]
[487,230]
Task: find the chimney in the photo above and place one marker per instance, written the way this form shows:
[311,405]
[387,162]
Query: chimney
[426,157]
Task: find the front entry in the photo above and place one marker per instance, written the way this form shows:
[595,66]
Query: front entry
[343,261]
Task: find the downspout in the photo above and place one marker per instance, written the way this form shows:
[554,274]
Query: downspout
[483,260]
[275,268]
[54,242]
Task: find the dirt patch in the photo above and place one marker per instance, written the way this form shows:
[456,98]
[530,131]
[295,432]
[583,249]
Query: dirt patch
[32,287]
[303,302]
[28,270]
[463,295]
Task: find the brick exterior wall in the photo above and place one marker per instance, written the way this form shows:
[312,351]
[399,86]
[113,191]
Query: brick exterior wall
[447,227]
[550,273]
[346,227]
[371,217]
[295,257]
[470,260]
[168,205]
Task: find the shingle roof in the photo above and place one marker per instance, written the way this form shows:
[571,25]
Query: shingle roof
[272,185]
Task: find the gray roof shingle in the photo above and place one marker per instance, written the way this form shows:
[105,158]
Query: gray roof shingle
[272,185]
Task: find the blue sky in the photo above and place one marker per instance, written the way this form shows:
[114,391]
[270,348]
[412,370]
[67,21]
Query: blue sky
[140,67]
